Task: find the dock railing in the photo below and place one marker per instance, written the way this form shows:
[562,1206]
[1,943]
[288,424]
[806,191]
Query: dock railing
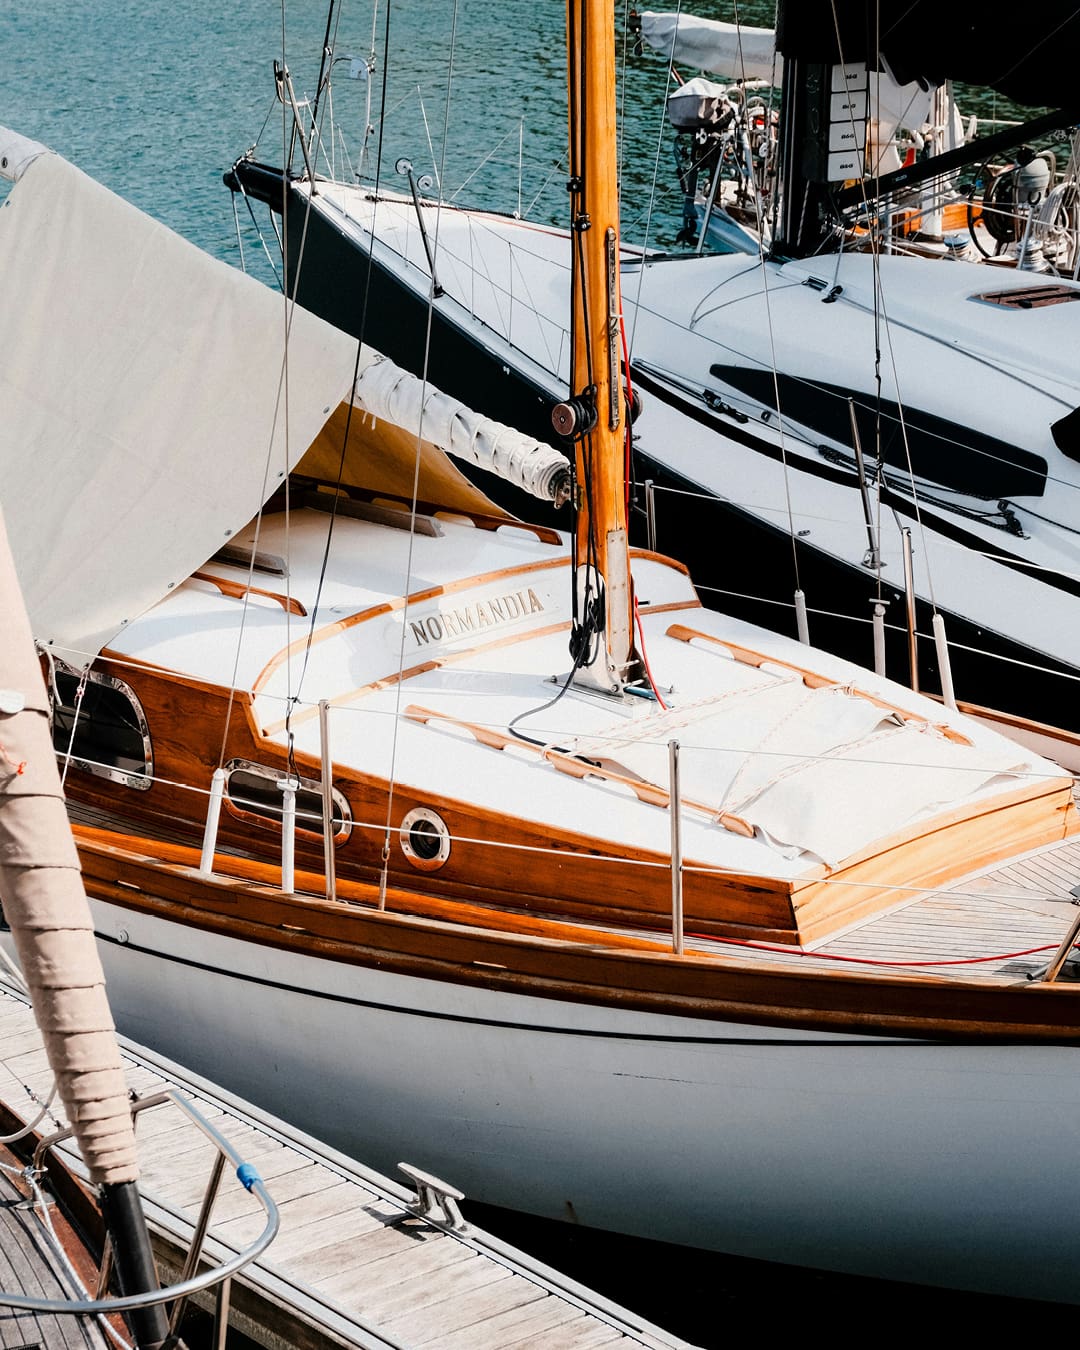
[218,1277]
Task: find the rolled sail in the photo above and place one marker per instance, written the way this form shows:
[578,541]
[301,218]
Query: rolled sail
[386,391]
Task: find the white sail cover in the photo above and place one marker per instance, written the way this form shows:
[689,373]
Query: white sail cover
[17,153]
[816,770]
[146,415]
[144,419]
[730,50]
[385,390]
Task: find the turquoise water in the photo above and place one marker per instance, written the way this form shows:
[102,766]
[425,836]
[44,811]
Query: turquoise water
[156,101]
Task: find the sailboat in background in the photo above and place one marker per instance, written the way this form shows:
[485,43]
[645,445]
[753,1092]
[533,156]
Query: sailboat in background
[816,427]
[1022,212]
[518,860]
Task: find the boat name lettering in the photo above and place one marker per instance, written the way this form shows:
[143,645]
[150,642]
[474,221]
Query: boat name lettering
[455,623]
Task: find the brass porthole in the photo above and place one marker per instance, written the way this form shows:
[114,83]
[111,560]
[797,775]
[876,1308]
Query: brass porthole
[425,839]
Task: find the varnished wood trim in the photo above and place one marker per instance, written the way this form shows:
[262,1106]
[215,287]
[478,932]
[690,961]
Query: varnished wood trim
[603,971]
[238,591]
[577,767]
[650,555]
[608,770]
[670,607]
[387,681]
[932,854]
[402,602]
[481,519]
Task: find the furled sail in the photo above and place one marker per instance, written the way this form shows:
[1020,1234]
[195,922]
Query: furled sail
[730,50]
[737,52]
[123,471]
[385,390]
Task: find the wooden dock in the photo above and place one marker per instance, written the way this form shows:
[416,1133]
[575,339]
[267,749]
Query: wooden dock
[358,1261]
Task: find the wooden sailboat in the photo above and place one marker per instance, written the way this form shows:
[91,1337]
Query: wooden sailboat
[612,907]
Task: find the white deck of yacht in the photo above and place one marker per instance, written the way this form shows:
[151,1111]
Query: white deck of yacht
[353,1264]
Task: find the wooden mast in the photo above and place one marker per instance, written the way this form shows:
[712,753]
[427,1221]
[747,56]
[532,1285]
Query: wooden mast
[594,416]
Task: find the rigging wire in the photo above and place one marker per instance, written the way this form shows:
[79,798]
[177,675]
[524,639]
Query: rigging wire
[780,419]
[661,134]
[345,435]
[440,175]
[280,405]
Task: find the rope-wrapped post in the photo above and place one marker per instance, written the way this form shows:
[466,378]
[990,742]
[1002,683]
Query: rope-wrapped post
[46,907]
[329,860]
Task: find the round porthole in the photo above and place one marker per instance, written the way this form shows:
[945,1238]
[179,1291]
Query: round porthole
[425,840]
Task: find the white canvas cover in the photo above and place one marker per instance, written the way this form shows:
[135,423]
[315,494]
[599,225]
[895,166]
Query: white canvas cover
[736,52]
[730,50]
[817,770]
[142,416]
[17,153]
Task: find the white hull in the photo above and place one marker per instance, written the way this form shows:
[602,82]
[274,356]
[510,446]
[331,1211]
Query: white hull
[731,1137]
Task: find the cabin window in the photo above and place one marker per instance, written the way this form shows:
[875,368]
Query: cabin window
[253,792]
[105,731]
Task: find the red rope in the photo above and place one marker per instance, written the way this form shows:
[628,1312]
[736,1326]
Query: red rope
[18,765]
[867,960]
[645,656]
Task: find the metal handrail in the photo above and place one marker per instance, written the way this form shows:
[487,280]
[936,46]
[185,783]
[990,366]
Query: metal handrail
[246,1175]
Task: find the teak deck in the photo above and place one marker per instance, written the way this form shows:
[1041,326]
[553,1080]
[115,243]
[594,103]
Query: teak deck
[352,1265]
[26,1269]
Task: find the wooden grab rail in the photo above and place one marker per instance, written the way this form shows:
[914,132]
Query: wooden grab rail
[575,767]
[237,590]
[810,678]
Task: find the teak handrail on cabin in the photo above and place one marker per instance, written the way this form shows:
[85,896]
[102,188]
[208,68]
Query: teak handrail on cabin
[645,791]
[238,591]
